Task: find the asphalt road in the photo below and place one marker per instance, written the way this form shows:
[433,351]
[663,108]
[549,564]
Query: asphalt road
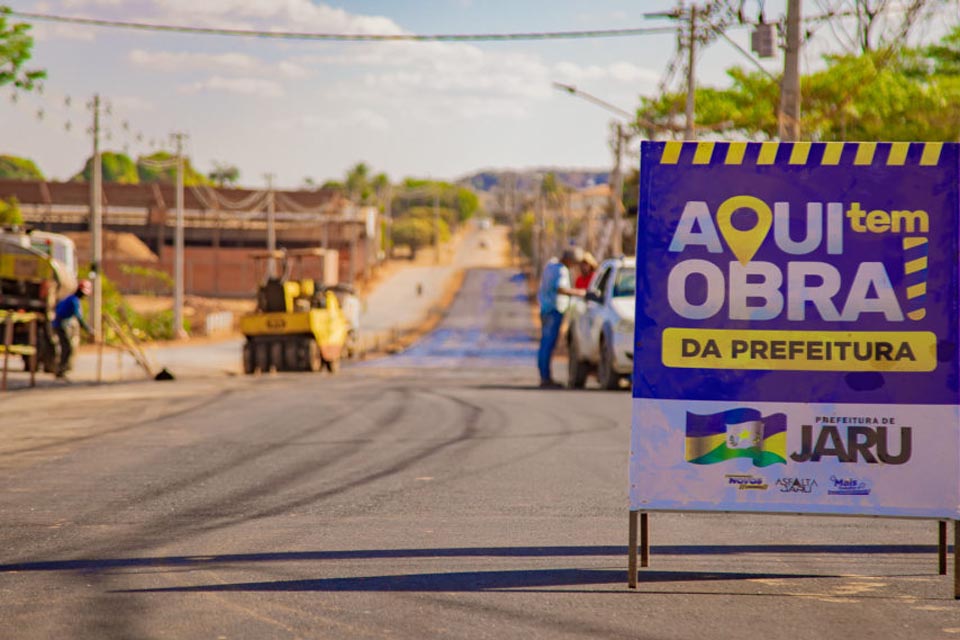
[435,494]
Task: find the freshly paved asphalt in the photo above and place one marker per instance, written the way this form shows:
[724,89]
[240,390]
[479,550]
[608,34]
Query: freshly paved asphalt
[435,494]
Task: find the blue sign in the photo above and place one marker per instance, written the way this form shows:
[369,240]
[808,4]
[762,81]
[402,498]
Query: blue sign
[797,317]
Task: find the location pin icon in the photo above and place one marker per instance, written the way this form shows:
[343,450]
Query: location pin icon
[744,244]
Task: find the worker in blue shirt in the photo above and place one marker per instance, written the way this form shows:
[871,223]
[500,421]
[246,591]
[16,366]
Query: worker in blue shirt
[554,298]
[69,311]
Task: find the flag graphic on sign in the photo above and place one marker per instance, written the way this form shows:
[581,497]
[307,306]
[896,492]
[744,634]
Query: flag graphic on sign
[737,433]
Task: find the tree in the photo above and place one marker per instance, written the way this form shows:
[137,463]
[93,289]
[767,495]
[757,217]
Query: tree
[148,173]
[421,193]
[357,183]
[15,49]
[14,168]
[910,94]
[224,174]
[418,232]
[10,213]
[862,26]
[115,167]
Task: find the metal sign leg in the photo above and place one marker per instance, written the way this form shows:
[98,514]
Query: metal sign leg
[956,559]
[644,540]
[632,552]
[942,548]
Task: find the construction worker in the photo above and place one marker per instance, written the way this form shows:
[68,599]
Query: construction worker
[554,297]
[67,315]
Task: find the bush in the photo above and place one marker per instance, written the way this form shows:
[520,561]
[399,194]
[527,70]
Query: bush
[10,213]
[145,327]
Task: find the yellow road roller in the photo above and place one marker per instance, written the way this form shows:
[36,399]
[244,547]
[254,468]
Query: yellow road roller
[298,324]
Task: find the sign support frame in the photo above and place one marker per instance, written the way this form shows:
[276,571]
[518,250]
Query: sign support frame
[641,550]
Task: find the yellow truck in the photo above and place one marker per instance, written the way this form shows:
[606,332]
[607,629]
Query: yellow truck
[298,325]
[36,270]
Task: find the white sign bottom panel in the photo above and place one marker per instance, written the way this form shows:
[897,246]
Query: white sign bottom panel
[889,460]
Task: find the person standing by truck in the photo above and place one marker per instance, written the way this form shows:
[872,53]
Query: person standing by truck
[67,314]
[554,298]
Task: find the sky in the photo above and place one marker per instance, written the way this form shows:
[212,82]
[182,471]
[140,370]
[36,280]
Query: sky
[301,110]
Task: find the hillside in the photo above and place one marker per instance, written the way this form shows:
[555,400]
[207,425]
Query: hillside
[528,179]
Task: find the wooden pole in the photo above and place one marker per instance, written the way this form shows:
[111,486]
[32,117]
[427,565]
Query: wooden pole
[33,356]
[100,360]
[942,547]
[956,559]
[7,342]
[632,552]
[644,541]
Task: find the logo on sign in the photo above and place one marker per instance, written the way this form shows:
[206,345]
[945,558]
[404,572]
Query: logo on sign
[737,433]
[746,482]
[796,485]
[869,444]
[848,487]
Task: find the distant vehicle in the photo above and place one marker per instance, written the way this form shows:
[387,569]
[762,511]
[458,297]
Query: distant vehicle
[600,334]
[485,223]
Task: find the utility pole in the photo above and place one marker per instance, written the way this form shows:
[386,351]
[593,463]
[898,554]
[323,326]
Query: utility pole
[178,330]
[790,87]
[271,226]
[96,226]
[436,224]
[616,192]
[689,133]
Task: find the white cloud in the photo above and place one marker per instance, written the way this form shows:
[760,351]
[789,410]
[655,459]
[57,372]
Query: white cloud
[623,72]
[362,118]
[133,103]
[46,32]
[298,15]
[243,86]
[172,61]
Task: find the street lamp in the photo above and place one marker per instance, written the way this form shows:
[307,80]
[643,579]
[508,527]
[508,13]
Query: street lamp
[616,178]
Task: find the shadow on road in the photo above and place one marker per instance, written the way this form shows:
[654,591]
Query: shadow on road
[475,581]
[101,564]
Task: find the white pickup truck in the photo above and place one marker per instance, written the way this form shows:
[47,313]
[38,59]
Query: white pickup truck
[600,334]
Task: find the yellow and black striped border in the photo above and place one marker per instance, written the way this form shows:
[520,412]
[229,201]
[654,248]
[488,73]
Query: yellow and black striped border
[893,154]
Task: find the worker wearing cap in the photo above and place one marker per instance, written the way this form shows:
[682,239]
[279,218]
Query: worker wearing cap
[68,312]
[554,298]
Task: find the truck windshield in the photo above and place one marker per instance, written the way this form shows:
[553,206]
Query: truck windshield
[626,283]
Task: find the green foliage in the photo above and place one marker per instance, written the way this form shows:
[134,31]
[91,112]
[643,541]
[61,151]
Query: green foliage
[417,232]
[15,48]
[334,185]
[226,174]
[10,212]
[151,281]
[143,326]
[148,173]
[357,183]
[421,193]
[115,167]
[14,168]
[523,233]
[905,94]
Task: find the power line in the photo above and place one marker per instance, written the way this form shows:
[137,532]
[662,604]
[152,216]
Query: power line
[347,37]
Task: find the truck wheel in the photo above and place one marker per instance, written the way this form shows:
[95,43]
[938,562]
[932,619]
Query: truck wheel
[291,356]
[248,364]
[276,356]
[261,357]
[606,376]
[577,368]
[314,360]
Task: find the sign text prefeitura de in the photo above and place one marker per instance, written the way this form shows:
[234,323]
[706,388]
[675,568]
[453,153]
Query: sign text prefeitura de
[797,328]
